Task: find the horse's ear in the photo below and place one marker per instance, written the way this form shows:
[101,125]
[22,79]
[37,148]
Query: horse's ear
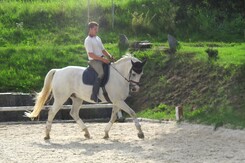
[132,62]
[143,62]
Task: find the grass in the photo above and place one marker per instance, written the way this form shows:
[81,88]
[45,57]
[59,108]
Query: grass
[42,22]
[161,112]
[214,89]
[227,117]
[36,36]
[25,67]
[229,53]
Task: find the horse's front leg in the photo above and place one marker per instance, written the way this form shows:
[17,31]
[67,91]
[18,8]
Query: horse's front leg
[112,120]
[122,105]
[76,104]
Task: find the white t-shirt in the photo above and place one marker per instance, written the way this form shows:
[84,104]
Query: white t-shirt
[94,45]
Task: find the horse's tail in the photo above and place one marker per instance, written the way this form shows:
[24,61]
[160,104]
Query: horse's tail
[42,97]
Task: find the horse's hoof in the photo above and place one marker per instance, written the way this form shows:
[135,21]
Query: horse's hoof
[122,119]
[141,135]
[46,137]
[106,137]
[87,136]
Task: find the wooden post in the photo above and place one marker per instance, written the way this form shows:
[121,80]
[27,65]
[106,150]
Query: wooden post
[179,113]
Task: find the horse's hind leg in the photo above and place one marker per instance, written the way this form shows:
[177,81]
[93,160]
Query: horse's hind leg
[51,114]
[76,104]
[58,102]
[112,120]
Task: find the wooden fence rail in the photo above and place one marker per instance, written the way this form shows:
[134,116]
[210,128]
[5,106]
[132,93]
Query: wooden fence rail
[66,107]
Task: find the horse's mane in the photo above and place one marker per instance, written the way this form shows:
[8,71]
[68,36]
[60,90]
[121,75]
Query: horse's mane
[127,56]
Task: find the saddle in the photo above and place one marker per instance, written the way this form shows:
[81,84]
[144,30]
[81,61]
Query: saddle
[90,75]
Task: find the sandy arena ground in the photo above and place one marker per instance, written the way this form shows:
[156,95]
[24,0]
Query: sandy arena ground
[164,142]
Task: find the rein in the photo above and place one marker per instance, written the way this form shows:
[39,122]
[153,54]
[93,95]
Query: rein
[128,80]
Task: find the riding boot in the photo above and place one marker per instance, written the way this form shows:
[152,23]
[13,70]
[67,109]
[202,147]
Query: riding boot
[95,91]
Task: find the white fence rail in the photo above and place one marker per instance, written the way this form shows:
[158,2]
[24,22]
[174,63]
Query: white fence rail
[66,107]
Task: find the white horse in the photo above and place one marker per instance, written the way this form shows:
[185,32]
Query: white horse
[67,83]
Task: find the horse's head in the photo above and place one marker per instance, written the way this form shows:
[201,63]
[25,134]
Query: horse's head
[135,74]
[131,69]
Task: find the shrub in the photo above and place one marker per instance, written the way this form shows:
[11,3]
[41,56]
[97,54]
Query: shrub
[212,54]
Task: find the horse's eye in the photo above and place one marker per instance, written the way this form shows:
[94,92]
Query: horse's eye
[133,75]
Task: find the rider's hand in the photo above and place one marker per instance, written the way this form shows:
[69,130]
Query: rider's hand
[112,59]
[106,61]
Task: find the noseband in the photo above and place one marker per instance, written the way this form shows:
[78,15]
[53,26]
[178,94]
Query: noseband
[130,73]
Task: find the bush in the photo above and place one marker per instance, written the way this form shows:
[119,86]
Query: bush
[212,54]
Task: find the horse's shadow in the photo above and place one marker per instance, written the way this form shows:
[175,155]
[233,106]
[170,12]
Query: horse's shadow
[91,148]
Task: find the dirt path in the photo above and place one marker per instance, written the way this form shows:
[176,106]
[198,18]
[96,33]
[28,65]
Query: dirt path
[164,142]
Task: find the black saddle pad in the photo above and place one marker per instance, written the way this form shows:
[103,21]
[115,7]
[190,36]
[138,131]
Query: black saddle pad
[89,75]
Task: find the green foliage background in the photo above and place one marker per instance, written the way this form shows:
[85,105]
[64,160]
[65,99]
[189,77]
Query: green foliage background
[38,35]
[44,22]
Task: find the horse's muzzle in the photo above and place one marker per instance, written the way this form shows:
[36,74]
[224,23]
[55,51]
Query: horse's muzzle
[134,88]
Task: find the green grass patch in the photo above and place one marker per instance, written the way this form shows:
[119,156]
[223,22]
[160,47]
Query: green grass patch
[212,92]
[36,36]
[228,53]
[217,117]
[25,67]
[161,112]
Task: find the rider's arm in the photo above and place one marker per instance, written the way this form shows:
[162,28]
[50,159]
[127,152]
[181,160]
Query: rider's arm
[106,53]
[95,57]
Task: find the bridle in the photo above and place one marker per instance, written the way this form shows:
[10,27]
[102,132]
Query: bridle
[128,80]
